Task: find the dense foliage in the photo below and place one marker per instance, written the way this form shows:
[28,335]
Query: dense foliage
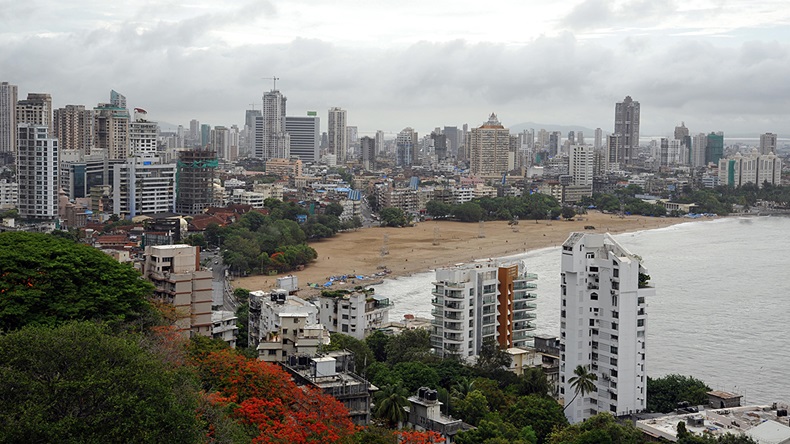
[76,383]
[47,280]
[599,429]
[664,394]
[531,206]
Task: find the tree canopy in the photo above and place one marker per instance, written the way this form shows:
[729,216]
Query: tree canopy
[664,394]
[47,280]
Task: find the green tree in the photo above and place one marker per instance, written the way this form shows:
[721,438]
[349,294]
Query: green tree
[393,217]
[438,209]
[75,383]
[582,382]
[492,430]
[415,375]
[390,405]
[409,345]
[46,280]
[377,343]
[664,394]
[334,209]
[492,358]
[196,240]
[568,213]
[532,381]
[468,212]
[598,429]
[541,413]
[362,354]
[473,407]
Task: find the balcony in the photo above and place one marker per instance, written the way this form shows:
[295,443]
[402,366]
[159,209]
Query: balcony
[437,301]
[437,312]
[525,316]
[454,338]
[524,306]
[453,316]
[523,326]
[454,294]
[525,286]
[522,335]
[453,326]
[523,296]
[489,299]
[530,276]
[454,306]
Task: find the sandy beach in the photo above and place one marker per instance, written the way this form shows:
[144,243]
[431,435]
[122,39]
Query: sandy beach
[433,244]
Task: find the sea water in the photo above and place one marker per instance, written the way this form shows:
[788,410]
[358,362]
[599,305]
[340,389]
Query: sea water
[721,311]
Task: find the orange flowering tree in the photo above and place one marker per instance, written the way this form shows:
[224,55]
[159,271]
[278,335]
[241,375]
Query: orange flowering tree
[262,397]
[415,437]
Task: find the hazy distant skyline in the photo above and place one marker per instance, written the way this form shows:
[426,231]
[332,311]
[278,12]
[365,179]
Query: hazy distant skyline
[716,64]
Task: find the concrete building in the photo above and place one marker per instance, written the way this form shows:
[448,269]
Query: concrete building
[698,146]
[195,188]
[143,135]
[407,148]
[626,124]
[489,149]
[111,131]
[425,413]
[267,311]
[77,178]
[752,168]
[356,314]
[178,280]
[714,148]
[9,194]
[602,326]
[143,186]
[305,136]
[36,110]
[368,147]
[271,139]
[598,140]
[223,327]
[581,165]
[336,133]
[37,167]
[8,99]
[221,143]
[74,128]
[480,302]
[768,143]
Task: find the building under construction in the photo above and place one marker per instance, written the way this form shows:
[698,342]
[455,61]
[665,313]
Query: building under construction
[195,178]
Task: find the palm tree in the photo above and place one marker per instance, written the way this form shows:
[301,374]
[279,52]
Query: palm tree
[583,382]
[390,405]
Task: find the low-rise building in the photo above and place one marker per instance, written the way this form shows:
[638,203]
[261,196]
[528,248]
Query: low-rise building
[356,313]
[425,414]
[266,310]
[224,327]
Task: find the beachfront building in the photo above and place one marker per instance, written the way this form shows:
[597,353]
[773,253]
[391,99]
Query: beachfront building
[481,303]
[356,314]
[752,168]
[602,325]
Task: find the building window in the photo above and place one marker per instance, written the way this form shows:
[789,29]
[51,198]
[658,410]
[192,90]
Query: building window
[594,296]
[640,322]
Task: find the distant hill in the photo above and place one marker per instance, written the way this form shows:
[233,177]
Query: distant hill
[588,132]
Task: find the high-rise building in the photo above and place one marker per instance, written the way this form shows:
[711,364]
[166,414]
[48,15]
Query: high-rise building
[111,130]
[74,128]
[580,138]
[453,135]
[117,99]
[143,186]
[598,143]
[194,133]
[439,146]
[407,147]
[482,303]
[352,136]
[581,164]
[379,142]
[752,168]
[143,135]
[305,136]
[613,148]
[572,137]
[554,143]
[681,132]
[489,148]
[8,99]
[36,110]
[271,139]
[603,321]
[768,143]
[698,147]
[195,188]
[626,123]
[37,166]
[714,147]
[368,147]
[336,133]
[220,142]
[205,135]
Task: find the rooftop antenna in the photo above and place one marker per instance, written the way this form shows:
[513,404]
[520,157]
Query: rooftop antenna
[253,106]
[274,82]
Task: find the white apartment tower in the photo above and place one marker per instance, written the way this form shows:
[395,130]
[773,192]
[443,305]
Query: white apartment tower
[8,99]
[271,140]
[489,147]
[336,132]
[37,173]
[356,314]
[581,164]
[406,147]
[111,130]
[698,146]
[305,136]
[37,110]
[598,142]
[479,302]
[602,326]
[143,135]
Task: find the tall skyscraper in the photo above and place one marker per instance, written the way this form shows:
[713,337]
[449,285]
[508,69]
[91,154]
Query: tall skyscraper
[194,133]
[453,139]
[37,166]
[489,148]
[714,147]
[482,303]
[768,143]
[337,136]
[681,132]
[698,146]
[220,142]
[626,123]
[368,147]
[598,144]
[305,136]
[581,163]
[603,322]
[439,146]
[554,143]
[8,130]
[74,128]
[37,110]
[117,99]
[579,138]
[272,140]
[407,147]
[111,130]
[195,187]
[614,146]
[143,135]
[379,142]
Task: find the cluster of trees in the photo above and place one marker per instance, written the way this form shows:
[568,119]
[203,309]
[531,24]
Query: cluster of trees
[531,206]
[624,198]
[665,393]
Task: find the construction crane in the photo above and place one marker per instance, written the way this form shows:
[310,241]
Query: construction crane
[274,81]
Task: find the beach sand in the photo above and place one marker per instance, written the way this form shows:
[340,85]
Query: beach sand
[432,244]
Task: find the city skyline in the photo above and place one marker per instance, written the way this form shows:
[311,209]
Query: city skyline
[443,64]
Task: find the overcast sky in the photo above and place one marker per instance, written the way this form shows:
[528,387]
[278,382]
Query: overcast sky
[715,64]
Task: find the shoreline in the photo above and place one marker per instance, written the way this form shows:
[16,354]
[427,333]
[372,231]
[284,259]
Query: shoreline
[433,244]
